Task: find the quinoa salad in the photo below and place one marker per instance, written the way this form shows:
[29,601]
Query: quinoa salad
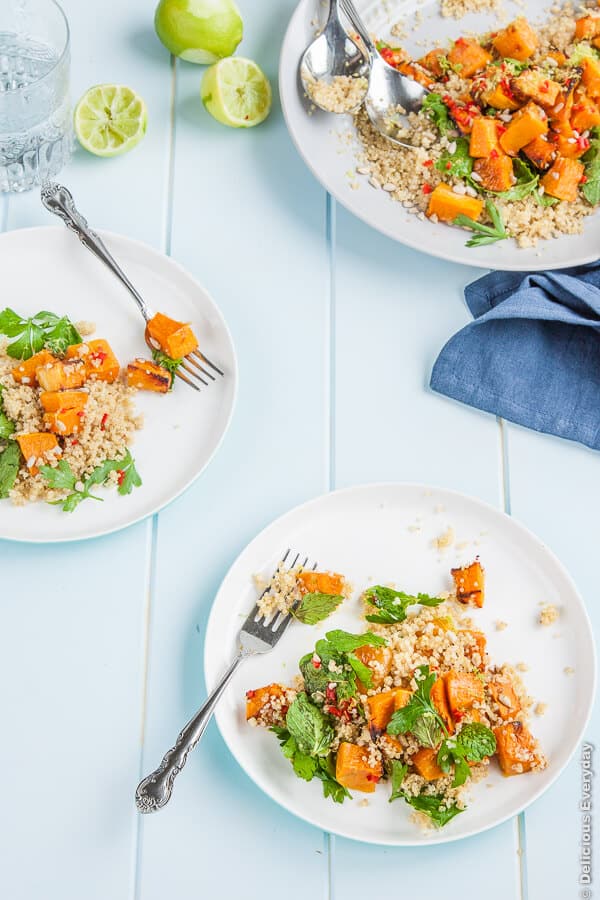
[413,705]
[67,414]
[507,142]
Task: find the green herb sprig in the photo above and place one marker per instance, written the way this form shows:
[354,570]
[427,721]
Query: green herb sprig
[472,744]
[314,607]
[44,330]
[420,716]
[484,234]
[392,605]
[62,478]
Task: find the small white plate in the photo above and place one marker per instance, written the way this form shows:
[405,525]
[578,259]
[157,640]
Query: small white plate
[323,141]
[47,268]
[368,533]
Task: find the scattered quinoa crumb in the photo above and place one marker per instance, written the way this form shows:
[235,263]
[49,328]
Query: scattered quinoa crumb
[499,625]
[569,670]
[549,614]
[445,540]
[540,709]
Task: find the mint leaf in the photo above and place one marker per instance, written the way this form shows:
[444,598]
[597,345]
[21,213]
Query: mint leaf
[315,607]
[10,460]
[420,715]
[477,741]
[309,727]
[392,605]
[435,807]
[346,642]
[361,670]
[331,786]
[436,109]
[398,772]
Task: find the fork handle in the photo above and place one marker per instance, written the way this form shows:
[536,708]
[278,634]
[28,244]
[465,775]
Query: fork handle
[59,200]
[155,790]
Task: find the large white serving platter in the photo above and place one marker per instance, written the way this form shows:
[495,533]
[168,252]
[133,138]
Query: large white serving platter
[322,139]
[385,533]
[47,268]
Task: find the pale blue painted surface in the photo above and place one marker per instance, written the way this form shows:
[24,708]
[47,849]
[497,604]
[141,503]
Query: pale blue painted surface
[336,327]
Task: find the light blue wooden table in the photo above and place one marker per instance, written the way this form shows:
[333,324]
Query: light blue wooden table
[101,642]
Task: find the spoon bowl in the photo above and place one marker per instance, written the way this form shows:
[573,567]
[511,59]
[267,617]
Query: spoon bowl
[333,54]
[391,94]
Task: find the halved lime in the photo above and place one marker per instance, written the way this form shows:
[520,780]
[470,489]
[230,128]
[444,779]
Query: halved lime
[110,119]
[199,31]
[236,92]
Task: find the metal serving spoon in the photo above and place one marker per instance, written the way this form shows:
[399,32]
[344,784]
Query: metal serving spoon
[332,54]
[388,88]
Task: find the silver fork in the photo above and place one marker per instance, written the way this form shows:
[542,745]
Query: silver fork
[59,200]
[256,636]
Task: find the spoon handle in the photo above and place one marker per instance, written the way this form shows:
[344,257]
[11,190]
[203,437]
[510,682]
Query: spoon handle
[363,32]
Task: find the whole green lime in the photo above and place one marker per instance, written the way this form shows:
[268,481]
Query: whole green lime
[199,31]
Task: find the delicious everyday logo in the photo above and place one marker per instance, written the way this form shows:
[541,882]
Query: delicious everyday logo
[586,808]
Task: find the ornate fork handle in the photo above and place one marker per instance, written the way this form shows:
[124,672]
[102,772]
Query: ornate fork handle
[155,790]
[58,200]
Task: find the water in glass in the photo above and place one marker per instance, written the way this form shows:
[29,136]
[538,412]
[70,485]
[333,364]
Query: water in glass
[35,115]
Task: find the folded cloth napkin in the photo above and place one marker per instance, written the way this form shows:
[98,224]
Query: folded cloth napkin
[532,353]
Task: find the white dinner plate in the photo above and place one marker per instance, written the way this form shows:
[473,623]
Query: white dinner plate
[322,141]
[47,268]
[385,533]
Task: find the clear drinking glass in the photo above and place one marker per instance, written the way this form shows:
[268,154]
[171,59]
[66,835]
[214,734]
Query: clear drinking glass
[35,115]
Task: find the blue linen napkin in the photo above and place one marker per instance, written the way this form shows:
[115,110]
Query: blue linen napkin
[532,353]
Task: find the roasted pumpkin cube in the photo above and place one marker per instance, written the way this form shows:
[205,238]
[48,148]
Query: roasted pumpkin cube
[353,769]
[425,762]
[379,661]
[495,173]
[526,124]
[39,449]
[506,702]
[500,95]
[535,85]
[587,27]
[25,371]
[560,114]
[563,179]
[569,143]
[541,152]
[517,41]
[65,421]
[416,72]
[447,205]
[101,364]
[57,401]
[439,698]
[484,137]
[443,623]
[585,114]
[590,76]
[516,748]
[268,704]
[476,646]
[470,583]
[558,56]
[467,57]
[176,339]
[148,376]
[434,62]
[321,583]
[463,691]
[382,706]
[62,375]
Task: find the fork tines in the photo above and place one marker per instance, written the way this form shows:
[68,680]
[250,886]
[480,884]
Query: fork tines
[292,558]
[191,364]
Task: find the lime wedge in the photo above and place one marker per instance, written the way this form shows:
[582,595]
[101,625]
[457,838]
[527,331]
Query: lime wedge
[236,92]
[110,119]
